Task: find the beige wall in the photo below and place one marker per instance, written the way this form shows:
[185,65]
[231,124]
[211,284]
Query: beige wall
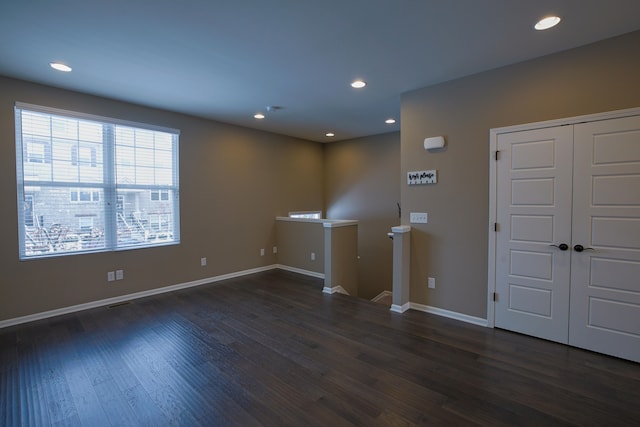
[297,239]
[452,247]
[341,252]
[362,182]
[234,182]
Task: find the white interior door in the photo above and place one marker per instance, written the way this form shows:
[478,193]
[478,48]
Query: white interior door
[533,199]
[605,282]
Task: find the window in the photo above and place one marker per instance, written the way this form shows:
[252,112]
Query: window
[159,195]
[306,214]
[84,155]
[85,196]
[88,183]
[37,151]
[85,224]
[28,210]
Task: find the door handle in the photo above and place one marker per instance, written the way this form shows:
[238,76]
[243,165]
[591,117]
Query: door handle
[561,246]
[580,248]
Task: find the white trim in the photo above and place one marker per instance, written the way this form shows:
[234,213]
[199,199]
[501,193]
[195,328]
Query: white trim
[400,308]
[382,295]
[326,223]
[450,314]
[570,120]
[128,297]
[289,219]
[300,271]
[333,223]
[493,146]
[401,229]
[336,289]
[493,219]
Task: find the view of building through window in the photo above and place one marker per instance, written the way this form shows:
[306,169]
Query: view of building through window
[90,184]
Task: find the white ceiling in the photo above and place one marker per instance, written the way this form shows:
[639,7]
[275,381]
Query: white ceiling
[226,60]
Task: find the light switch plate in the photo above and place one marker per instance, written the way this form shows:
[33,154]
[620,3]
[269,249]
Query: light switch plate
[419,217]
[422,177]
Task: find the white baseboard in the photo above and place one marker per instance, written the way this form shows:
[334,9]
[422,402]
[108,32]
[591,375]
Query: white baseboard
[300,271]
[129,297]
[450,314]
[336,289]
[400,308]
[382,295]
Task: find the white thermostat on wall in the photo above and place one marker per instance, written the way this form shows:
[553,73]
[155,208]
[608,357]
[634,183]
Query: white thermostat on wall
[433,142]
[422,177]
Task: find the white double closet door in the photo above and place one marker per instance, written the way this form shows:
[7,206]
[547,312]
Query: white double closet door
[567,260]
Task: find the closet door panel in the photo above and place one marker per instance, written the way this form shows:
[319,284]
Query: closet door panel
[534,213]
[605,275]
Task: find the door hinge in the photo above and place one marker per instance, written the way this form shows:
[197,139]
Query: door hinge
[495,296]
[497,155]
[495,227]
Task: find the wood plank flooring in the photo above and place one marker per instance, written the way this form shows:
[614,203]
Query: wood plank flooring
[271,349]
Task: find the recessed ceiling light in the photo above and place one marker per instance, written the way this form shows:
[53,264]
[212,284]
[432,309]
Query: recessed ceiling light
[390,121]
[358,84]
[258,116]
[547,22]
[330,134]
[60,66]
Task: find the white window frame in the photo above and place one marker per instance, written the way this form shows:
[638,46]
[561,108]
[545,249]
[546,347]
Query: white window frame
[108,186]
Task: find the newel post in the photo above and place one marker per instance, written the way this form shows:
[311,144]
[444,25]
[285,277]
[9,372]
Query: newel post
[401,268]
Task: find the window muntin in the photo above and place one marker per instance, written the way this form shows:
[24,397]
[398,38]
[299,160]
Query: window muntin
[86,183]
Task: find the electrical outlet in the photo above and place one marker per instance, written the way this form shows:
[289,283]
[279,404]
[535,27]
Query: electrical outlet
[275,249]
[111,276]
[313,256]
[262,252]
[119,274]
[418,217]
[431,283]
[203,262]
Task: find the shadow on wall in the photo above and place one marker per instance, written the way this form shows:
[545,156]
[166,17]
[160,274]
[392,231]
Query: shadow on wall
[362,182]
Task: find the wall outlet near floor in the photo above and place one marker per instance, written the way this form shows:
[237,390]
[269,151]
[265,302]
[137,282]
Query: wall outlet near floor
[203,261]
[431,282]
[275,249]
[119,274]
[262,252]
[111,276]
[313,256]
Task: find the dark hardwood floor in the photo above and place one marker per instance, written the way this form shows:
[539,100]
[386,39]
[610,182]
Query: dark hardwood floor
[271,349]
